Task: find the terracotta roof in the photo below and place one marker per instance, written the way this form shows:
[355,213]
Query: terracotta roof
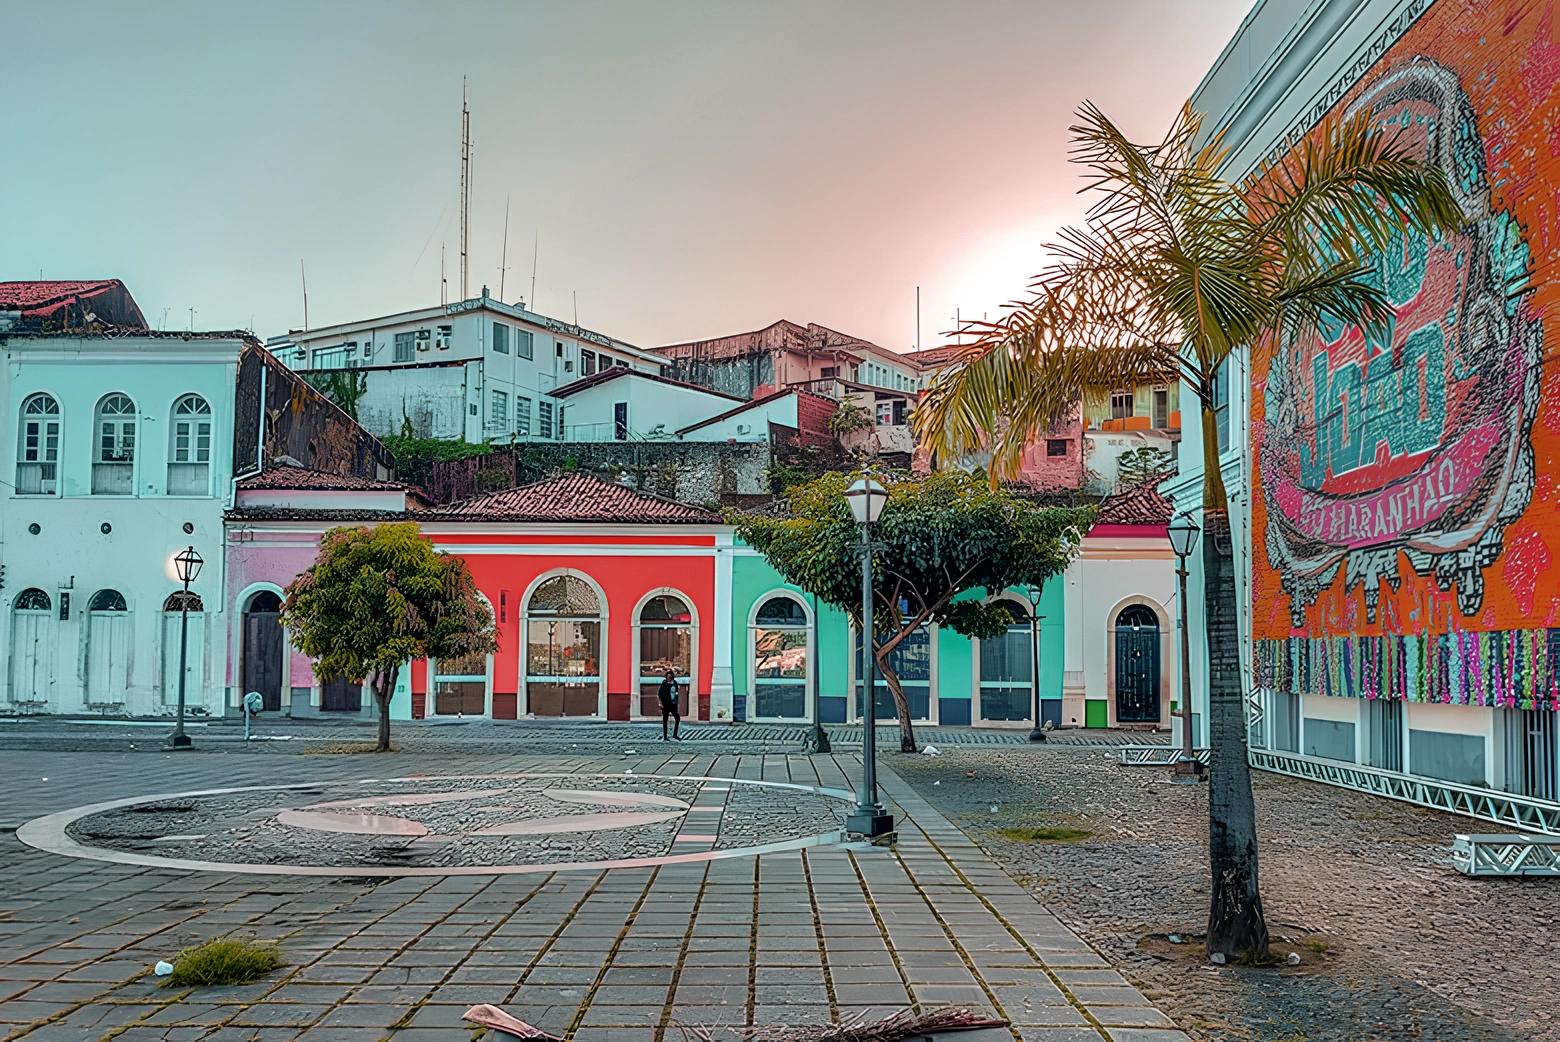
[66,301]
[289,477]
[1140,505]
[574,497]
[604,375]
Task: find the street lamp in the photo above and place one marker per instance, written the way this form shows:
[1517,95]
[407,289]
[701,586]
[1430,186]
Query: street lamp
[1038,733]
[186,565]
[1183,532]
[866,498]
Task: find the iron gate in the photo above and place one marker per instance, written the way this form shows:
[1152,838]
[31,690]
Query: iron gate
[1137,666]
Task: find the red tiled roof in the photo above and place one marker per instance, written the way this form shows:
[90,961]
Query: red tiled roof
[50,299]
[574,497]
[286,477]
[604,375]
[1140,505]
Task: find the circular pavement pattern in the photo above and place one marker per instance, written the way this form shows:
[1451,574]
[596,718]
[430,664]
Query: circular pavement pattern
[448,825]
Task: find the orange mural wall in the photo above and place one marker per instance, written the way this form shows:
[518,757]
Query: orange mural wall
[1405,515]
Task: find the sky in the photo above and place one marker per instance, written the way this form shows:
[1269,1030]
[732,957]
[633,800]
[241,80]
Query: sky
[677,170]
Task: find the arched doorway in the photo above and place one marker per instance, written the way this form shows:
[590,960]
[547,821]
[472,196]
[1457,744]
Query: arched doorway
[1007,670]
[782,660]
[1137,665]
[665,641]
[263,649]
[108,648]
[563,649]
[32,647]
[195,652]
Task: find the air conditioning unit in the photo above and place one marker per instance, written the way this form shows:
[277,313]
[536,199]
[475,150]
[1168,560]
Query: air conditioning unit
[424,334]
[424,346]
[368,350]
[568,365]
[744,428]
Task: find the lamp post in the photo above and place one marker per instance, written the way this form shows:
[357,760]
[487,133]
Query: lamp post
[1183,533]
[186,564]
[820,738]
[866,498]
[1038,733]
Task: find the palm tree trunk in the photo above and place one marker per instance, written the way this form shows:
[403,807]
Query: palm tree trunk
[1236,926]
[901,703]
[383,682]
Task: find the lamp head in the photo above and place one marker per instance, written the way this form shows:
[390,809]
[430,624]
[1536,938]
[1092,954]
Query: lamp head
[1183,532]
[186,564]
[866,498]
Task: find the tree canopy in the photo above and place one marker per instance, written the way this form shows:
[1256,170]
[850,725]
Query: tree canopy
[939,536]
[377,598]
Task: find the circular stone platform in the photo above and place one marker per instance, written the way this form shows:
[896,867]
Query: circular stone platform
[455,825]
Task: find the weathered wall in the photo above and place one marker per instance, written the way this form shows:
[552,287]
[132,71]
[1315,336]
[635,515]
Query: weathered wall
[691,472]
[1405,520]
[300,422]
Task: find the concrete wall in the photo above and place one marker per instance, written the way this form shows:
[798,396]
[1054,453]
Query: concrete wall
[656,410]
[749,424]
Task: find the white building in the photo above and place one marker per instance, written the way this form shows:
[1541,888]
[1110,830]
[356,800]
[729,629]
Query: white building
[474,370]
[623,404]
[120,455]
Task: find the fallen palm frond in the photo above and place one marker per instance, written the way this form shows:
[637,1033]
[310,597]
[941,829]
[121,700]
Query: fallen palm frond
[904,1025]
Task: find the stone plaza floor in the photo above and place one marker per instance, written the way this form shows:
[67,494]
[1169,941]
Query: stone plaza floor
[696,899]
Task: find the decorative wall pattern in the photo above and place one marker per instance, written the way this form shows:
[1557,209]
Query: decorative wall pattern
[1407,515]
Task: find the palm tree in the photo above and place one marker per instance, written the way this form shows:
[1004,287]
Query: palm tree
[1174,268]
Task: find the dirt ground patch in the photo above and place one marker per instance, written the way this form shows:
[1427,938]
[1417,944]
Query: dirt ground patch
[1394,943]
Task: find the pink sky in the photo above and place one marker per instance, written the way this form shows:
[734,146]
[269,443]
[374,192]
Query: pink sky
[689,169]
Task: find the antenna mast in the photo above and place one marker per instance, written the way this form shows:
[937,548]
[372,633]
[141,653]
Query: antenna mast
[503,258]
[536,246]
[304,279]
[444,281]
[465,182]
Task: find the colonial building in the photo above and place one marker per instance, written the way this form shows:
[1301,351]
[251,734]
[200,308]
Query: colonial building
[121,449]
[1393,503]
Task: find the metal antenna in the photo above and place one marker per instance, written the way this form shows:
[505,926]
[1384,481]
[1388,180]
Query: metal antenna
[304,278]
[536,247]
[465,183]
[918,318]
[576,307]
[444,281]
[503,258]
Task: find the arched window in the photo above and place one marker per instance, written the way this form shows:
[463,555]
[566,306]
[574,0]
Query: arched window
[107,600]
[563,670]
[665,643]
[1137,617]
[32,599]
[113,462]
[179,600]
[1007,668]
[189,449]
[38,447]
[781,660]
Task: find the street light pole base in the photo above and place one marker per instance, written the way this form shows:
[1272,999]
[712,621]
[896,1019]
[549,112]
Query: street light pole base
[1038,735]
[179,741]
[870,823]
[819,742]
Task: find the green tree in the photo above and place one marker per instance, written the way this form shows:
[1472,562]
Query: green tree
[1174,268]
[1142,464]
[345,387]
[377,598]
[938,537]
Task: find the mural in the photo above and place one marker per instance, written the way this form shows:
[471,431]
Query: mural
[1407,516]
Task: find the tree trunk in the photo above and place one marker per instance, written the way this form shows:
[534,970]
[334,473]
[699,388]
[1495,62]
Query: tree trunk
[384,687]
[907,742]
[1236,927]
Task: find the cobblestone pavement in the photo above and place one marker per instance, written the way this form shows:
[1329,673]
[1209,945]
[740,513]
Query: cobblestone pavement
[1396,945]
[792,937]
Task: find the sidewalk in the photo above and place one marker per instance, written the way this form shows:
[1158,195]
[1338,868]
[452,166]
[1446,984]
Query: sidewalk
[623,954]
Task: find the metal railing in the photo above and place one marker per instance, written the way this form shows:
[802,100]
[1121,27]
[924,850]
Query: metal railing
[1156,755]
[1483,855]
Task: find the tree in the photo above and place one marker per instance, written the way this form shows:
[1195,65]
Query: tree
[1174,268]
[377,598]
[345,387]
[1143,464]
[938,537]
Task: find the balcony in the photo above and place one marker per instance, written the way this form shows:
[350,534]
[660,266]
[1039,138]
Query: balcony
[113,478]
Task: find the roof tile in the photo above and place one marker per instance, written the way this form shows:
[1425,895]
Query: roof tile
[574,497]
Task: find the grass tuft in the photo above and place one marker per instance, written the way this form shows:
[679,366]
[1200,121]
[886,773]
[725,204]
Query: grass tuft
[225,960]
[1043,834]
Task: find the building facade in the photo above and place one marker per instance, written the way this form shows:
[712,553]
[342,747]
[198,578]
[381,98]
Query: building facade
[1394,502]
[473,370]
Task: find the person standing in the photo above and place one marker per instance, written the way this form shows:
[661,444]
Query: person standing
[668,694]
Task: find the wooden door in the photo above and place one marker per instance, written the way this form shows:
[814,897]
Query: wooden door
[262,670]
[341,696]
[32,655]
[194,658]
[108,656]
